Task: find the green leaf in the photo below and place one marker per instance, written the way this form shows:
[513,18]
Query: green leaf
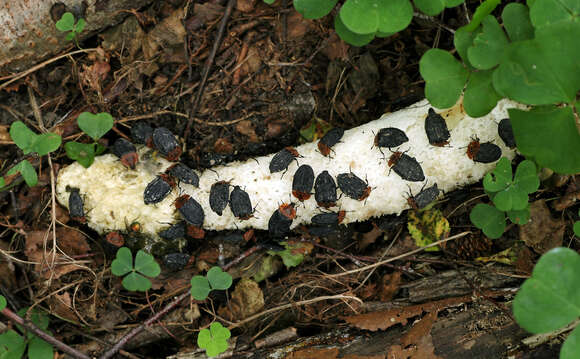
[550,299]
[480,13]
[549,136]
[214,339]
[314,9]
[577,227]
[146,264]
[269,2]
[516,21]
[370,16]
[521,216]
[39,349]
[12,345]
[80,26]
[123,262]
[349,36]
[548,12]
[219,279]
[480,97]
[512,198]
[66,22]
[46,143]
[489,219]
[571,346]
[84,153]
[444,76]
[463,40]
[95,125]
[2,182]
[70,36]
[453,3]
[500,178]
[27,172]
[289,258]
[199,287]
[2,302]
[544,70]
[22,136]
[526,177]
[136,282]
[488,46]
[430,7]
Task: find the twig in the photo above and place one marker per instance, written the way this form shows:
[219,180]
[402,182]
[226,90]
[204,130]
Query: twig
[207,67]
[42,335]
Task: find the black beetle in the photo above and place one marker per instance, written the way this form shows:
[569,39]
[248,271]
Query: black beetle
[407,167]
[328,219]
[486,152]
[506,132]
[127,152]
[325,190]
[176,261]
[174,232]
[280,221]
[76,206]
[158,189]
[142,133]
[436,129]
[166,143]
[219,196]
[423,198]
[352,186]
[302,182]
[190,210]
[240,203]
[282,159]
[184,174]
[390,137]
[330,139]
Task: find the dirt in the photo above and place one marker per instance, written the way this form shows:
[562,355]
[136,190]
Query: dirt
[274,75]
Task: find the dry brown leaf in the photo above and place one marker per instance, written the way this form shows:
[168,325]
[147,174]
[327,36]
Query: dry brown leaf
[245,5]
[168,32]
[223,146]
[369,237]
[247,299]
[247,128]
[419,329]
[336,48]
[389,286]
[61,305]
[542,232]
[47,264]
[72,242]
[297,27]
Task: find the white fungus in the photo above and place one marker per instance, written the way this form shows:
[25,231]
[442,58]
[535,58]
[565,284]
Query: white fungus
[113,194]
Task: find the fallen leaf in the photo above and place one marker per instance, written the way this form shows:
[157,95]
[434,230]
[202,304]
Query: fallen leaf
[245,5]
[542,232]
[247,128]
[247,299]
[61,305]
[389,286]
[223,146]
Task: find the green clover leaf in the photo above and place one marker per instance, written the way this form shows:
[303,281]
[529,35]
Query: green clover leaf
[219,279]
[550,299]
[145,265]
[488,46]
[123,262]
[95,125]
[66,22]
[2,302]
[84,153]
[200,287]
[349,36]
[577,227]
[39,349]
[489,219]
[371,16]
[314,9]
[516,21]
[500,178]
[480,96]
[12,345]
[46,143]
[27,172]
[22,136]
[214,340]
[444,76]
[430,7]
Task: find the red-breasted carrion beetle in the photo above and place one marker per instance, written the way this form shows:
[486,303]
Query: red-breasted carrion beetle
[330,139]
[325,190]
[166,144]
[390,137]
[486,152]
[423,198]
[436,129]
[352,186]
[329,218]
[280,221]
[302,183]
[190,210]
[183,174]
[142,133]
[240,203]
[76,206]
[158,189]
[282,159]
[174,232]
[126,152]
[406,166]
[506,132]
[219,196]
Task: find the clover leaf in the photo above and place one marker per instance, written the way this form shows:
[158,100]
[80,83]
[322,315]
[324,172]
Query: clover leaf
[67,23]
[22,136]
[550,298]
[508,194]
[27,171]
[12,345]
[2,302]
[219,279]
[444,77]
[516,22]
[214,340]
[314,9]
[145,266]
[95,125]
[371,16]
[199,287]
[489,219]
[84,153]
[488,46]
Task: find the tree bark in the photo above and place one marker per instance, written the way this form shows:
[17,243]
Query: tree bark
[29,34]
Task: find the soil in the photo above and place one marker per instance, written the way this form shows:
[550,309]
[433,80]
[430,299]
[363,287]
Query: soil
[277,80]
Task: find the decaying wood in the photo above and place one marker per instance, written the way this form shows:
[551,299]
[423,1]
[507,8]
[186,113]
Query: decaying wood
[29,34]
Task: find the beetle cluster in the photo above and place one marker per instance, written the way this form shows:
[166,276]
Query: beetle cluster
[306,181]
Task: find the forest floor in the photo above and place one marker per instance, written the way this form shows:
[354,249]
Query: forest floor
[277,80]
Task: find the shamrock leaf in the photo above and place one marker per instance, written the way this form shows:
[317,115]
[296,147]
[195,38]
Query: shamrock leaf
[95,125]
